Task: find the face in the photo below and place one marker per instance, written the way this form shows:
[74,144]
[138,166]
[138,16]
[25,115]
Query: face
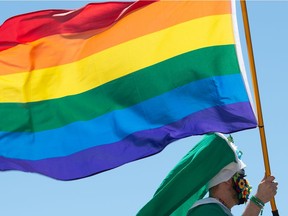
[242,187]
[232,192]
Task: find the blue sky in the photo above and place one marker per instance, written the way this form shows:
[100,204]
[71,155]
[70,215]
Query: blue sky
[124,190]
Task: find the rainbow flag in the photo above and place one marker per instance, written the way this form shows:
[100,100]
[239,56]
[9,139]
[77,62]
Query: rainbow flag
[84,91]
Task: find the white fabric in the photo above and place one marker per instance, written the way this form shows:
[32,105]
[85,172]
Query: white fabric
[240,55]
[211,200]
[228,171]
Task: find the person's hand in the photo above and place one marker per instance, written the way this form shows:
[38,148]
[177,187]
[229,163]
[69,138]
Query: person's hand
[267,189]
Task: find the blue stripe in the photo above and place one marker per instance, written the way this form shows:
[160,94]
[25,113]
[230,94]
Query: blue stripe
[115,126]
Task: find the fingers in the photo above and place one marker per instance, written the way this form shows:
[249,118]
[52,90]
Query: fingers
[270,181]
[267,189]
[275,186]
[268,178]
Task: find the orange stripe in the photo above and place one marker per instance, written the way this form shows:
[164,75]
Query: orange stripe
[62,49]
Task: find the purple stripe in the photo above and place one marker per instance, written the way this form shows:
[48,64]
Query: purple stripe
[138,145]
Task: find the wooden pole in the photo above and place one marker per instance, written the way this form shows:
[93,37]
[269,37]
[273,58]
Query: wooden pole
[257,98]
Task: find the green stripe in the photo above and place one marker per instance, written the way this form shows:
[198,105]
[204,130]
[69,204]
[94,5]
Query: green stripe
[121,93]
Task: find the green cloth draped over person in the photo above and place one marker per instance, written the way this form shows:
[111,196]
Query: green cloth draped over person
[214,165]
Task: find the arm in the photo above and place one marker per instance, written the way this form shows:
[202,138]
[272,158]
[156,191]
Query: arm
[266,191]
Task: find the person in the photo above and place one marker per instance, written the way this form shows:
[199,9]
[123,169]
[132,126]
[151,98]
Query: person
[212,166]
[235,191]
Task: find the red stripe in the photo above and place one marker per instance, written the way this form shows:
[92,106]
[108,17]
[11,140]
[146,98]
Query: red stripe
[32,26]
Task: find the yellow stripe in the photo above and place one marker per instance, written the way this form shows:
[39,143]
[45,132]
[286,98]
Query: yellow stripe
[117,61]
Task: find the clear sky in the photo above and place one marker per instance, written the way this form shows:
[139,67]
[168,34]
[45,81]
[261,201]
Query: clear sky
[124,190]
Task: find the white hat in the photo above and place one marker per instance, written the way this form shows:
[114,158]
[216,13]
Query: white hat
[228,171]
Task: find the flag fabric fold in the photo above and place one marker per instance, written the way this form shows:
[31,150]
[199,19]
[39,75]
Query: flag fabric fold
[84,91]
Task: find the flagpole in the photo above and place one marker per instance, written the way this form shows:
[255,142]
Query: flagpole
[257,98]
